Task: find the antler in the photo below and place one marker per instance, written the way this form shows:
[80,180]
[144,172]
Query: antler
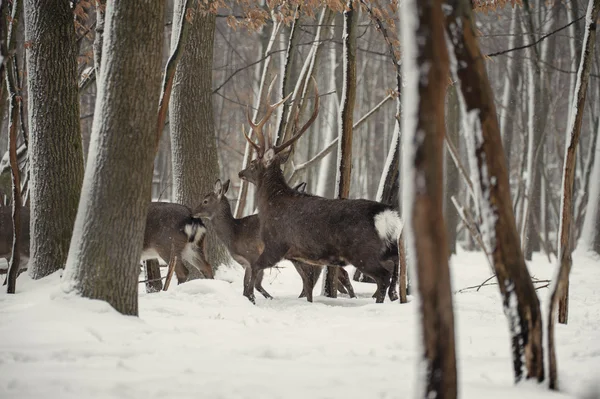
[261,147]
[293,139]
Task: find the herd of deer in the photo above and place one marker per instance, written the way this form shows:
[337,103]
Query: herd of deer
[308,230]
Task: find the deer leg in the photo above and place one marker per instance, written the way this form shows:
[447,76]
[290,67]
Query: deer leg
[381,276]
[344,279]
[270,256]
[308,281]
[258,285]
[259,278]
[393,289]
[181,272]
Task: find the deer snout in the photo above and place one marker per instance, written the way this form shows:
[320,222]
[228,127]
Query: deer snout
[241,175]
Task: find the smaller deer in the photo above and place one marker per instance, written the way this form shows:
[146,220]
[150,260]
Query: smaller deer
[171,230]
[172,227]
[242,239]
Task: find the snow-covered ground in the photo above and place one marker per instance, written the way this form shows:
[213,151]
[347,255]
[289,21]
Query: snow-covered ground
[203,339]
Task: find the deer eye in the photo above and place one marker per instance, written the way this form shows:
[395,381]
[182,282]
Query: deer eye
[205,202]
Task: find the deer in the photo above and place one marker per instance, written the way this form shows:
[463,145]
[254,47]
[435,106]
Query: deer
[242,239]
[313,229]
[171,230]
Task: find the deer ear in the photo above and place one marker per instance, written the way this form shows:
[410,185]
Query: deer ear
[226,186]
[269,156]
[284,156]
[218,187]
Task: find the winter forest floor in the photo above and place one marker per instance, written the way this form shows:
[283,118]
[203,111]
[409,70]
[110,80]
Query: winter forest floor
[203,339]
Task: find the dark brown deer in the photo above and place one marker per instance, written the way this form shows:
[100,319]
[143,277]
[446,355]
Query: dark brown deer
[242,239]
[171,230]
[313,229]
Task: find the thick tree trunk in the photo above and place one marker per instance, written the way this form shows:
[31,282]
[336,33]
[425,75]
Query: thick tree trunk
[344,167]
[423,129]
[193,143]
[104,256]
[560,289]
[56,154]
[521,303]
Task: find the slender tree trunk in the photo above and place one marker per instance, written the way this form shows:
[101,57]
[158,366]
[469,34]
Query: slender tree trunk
[104,256]
[345,122]
[326,181]
[520,300]
[99,38]
[560,289]
[590,233]
[452,176]
[267,72]
[193,143]
[56,153]
[13,122]
[423,101]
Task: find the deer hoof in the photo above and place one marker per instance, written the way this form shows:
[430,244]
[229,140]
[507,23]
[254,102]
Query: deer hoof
[393,295]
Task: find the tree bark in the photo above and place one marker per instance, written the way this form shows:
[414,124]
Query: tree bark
[55,152]
[560,289]
[423,129]
[193,142]
[344,167]
[520,301]
[104,256]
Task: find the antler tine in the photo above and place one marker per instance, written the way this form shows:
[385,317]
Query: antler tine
[252,143]
[257,128]
[294,138]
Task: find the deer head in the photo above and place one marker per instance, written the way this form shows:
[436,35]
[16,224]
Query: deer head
[211,203]
[269,155]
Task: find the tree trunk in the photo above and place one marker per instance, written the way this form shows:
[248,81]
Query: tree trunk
[104,256]
[13,122]
[520,300]
[423,101]
[452,176]
[344,167]
[56,153]
[193,143]
[99,38]
[152,273]
[590,233]
[560,289]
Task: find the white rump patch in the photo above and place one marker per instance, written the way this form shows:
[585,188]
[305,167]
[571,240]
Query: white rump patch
[388,225]
[194,231]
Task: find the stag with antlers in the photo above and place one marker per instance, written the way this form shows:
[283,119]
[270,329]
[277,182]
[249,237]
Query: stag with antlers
[313,229]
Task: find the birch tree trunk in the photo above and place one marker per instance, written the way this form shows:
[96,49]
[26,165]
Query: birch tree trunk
[104,255]
[193,143]
[521,304]
[560,288]
[345,122]
[55,152]
[423,101]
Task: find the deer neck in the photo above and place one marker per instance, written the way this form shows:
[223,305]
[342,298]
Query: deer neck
[271,187]
[224,223]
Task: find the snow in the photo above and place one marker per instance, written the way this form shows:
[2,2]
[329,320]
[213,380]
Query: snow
[204,338]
